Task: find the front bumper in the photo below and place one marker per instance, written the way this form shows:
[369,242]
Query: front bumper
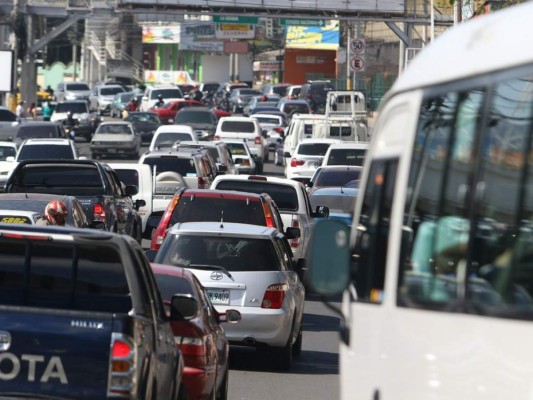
[113,149]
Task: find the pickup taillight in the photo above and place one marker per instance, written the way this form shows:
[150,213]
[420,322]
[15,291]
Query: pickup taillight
[122,366]
[216,137]
[258,140]
[99,212]
[161,230]
[268,215]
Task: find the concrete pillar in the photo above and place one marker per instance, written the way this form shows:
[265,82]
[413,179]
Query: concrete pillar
[28,81]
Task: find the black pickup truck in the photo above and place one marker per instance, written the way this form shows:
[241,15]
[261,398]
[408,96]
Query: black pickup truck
[81,318]
[96,185]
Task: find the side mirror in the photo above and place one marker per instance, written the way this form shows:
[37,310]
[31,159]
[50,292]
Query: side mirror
[132,190]
[286,154]
[292,233]
[150,255]
[145,98]
[10,159]
[230,316]
[139,203]
[264,133]
[183,307]
[222,168]
[321,212]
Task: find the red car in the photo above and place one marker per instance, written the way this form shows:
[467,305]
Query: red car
[198,335]
[167,112]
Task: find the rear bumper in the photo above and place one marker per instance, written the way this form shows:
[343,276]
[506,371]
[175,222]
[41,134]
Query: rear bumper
[198,382]
[259,326]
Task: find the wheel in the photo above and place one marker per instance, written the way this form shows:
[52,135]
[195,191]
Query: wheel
[297,346]
[223,392]
[137,234]
[277,160]
[182,394]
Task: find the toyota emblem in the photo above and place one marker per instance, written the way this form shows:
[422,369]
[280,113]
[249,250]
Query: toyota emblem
[216,276]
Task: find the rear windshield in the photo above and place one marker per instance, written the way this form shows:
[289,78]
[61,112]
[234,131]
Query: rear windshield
[194,117]
[237,149]
[346,157]
[141,117]
[76,86]
[167,139]
[16,219]
[268,120]
[337,131]
[110,90]
[232,253]
[336,178]
[45,152]
[7,152]
[79,181]
[238,126]
[166,94]
[301,108]
[194,208]
[281,90]
[113,129]
[76,108]
[285,196]
[63,276]
[313,149]
[183,166]
[43,131]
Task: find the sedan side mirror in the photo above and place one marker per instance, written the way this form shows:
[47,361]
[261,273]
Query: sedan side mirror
[292,233]
[321,212]
[286,154]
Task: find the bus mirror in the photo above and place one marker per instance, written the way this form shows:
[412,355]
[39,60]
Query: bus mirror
[329,257]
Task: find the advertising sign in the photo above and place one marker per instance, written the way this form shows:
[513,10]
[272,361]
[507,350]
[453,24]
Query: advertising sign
[6,77]
[161,34]
[313,37]
[234,31]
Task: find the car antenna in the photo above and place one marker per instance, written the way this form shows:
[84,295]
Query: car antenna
[222,219]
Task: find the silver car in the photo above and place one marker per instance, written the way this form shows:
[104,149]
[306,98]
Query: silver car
[247,268]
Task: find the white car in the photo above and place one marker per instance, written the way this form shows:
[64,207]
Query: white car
[248,129]
[103,97]
[248,268]
[290,197]
[167,92]
[115,139]
[306,158]
[241,155]
[274,125]
[167,135]
[19,217]
[346,153]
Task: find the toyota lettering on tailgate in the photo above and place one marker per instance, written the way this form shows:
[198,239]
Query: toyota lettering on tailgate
[11,366]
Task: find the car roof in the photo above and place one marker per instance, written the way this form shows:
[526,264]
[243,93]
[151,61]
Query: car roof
[52,141]
[8,144]
[6,212]
[217,193]
[195,109]
[115,123]
[318,140]
[178,128]
[350,145]
[236,118]
[259,178]
[33,196]
[340,167]
[224,229]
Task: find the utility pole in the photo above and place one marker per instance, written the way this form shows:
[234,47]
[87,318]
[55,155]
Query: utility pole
[348,54]
[457,12]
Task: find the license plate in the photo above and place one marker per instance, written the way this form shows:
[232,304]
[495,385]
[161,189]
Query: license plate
[218,296]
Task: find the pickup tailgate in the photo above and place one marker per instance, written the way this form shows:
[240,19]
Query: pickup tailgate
[54,353]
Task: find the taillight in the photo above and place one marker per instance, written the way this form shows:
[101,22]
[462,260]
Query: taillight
[192,345]
[99,212]
[258,140]
[279,130]
[122,367]
[295,242]
[268,216]
[296,163]
[202,183]
[216,137]
[274,296]
[161,230]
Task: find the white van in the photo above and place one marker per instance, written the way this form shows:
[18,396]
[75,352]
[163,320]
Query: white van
[437,271]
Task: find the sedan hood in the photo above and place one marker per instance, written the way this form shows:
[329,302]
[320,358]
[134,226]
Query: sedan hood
[112,137]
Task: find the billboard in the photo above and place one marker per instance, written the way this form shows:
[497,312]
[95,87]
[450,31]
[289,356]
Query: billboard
[313,37]
[161,34]
[8,64]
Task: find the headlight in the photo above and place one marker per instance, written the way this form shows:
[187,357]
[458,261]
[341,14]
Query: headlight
[70,96]
[96,143]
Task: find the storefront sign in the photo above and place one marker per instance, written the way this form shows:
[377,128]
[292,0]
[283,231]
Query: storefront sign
[234,31]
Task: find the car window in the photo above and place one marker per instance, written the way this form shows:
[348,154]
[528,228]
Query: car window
[77,87]
[167,139]
[44,151]
[115,129]
[106,91]
[233,253]
[170,285]
[285,196]
[128,176]
[238,126]
[198,208]
[166,93]
[336,177]
[7,151]
[75,108]
[183,166]
[99,283]
[237,149]
[30,131]
[8,116]
[313,149]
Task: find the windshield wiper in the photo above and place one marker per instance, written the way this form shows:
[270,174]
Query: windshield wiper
[211,266]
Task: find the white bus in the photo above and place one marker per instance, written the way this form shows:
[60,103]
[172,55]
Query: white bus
[437,271]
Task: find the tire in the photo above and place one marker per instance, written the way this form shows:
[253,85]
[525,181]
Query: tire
[283,356]
[267,156]
[137,234]
[297,346]
[223,392]
[277,160]
[182,393]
